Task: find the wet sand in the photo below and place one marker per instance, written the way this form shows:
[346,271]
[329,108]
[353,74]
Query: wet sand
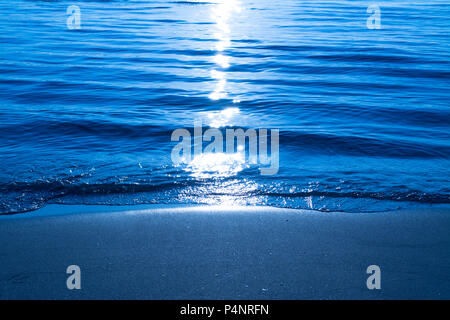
[147,252]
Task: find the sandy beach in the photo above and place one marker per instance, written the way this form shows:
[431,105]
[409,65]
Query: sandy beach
[146,252]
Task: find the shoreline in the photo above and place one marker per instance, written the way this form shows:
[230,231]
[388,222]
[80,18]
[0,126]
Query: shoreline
[183,252]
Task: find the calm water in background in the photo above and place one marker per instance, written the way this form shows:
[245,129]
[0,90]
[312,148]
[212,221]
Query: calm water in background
[86,115]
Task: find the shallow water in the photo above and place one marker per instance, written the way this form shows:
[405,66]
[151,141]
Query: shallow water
[86,115]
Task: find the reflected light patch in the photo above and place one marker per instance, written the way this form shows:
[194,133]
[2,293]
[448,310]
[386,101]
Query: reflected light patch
[210,165]
[221,14]
[224,42]
[219,75]
[222,60]
[223,118]
[223,193]
[219,90]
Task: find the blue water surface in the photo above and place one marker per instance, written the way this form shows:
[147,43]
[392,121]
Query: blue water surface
[86,115]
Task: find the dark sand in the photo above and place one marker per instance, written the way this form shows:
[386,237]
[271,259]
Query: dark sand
[224,253]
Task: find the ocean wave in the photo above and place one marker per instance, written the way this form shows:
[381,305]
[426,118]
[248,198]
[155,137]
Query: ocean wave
[86,115]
